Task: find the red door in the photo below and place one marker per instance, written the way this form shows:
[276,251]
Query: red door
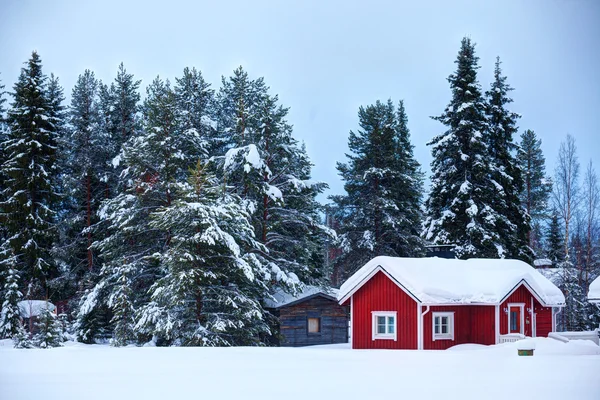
[514,320]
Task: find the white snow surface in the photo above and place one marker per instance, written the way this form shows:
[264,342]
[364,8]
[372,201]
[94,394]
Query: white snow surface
[282,298]
[594,293]
[449,281]
[93,372]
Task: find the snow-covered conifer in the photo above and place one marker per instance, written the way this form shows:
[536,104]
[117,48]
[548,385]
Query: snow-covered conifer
[210,295]
[554,240]
[536,185]
[48,330]
[10,319]
[380,214]
[460,209]
[513,224]
[29,196]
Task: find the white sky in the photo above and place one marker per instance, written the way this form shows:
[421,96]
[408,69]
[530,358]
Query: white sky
[326,58]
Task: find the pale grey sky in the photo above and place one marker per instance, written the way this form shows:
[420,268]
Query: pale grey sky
[326,58]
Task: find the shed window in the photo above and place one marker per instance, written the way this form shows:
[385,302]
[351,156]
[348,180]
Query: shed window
[443,326]
[384,325]
[314,325]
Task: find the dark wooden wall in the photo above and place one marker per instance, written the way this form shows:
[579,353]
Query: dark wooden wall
[294,323]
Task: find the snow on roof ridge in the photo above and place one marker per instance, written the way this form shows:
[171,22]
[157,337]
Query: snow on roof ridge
[436,280]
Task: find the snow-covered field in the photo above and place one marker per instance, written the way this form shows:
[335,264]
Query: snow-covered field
[76,371]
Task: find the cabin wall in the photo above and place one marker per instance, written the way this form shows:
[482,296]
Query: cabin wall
[472,324]
[382,294]
[543,314]
[293,321]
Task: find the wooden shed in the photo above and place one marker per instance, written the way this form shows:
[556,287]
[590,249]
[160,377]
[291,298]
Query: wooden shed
[435,303]
[311,317]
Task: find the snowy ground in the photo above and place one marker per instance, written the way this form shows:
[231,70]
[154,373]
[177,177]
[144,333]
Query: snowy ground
[557,371]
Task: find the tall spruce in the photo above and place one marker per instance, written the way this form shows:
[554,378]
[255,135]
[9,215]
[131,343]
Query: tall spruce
[460,207]
[380,213]
[28,196]
[513,223]
[536,186]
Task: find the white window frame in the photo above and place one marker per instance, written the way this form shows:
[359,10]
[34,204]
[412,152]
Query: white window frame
[443,336]
[522,312]
[384,336]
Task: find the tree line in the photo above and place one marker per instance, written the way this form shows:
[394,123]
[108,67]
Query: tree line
[171,218]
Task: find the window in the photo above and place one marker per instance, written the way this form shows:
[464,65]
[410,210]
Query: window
[314,325]
[443,326]
[384,325]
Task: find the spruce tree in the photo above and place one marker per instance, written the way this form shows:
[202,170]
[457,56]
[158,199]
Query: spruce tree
[29,197]
[513,223]
[210,295]
[380,214]
[536,186]
[49,331]
[10,319]
[155,162]
[88,160]
[554,240]
[460,207]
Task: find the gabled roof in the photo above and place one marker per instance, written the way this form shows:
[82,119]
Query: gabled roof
[594,293]
[450,281]
[284,299]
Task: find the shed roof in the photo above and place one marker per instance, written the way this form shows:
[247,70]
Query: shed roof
[594,293]
[33,308]
[451,281]
[284,299]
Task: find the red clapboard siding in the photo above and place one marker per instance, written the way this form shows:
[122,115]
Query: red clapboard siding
[381,294]
[543,314]
[472,324]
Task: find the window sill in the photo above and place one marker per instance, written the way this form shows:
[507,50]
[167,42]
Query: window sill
[443,338]
[384,337]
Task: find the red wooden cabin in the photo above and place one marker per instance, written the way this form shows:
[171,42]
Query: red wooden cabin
[435,303]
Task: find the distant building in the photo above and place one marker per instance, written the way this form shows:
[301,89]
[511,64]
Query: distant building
[440,250]
[311,317]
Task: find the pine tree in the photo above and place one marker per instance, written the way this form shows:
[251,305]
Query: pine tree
[49,331]
[513,223]
[210,294]
[380,214]
[460,209]
[537,186]
[29,197]
[262,161]
[10,319]
[195,109]
[554,240]
[155,162]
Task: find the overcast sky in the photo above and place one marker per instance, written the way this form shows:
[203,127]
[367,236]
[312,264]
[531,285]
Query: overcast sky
[326,58]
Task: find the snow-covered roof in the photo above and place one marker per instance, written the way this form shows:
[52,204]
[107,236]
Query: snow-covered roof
[29,308]
[282,298]
[594,293]
[451,281]
[542,262]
